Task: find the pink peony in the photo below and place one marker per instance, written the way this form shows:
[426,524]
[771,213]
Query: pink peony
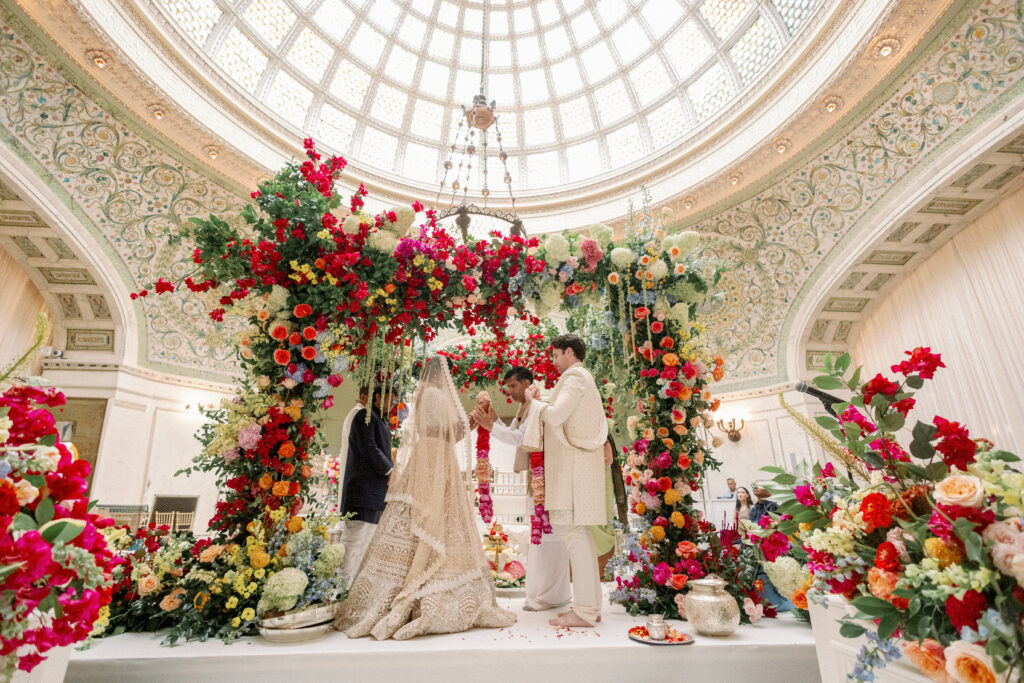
[249,436]
[662,573]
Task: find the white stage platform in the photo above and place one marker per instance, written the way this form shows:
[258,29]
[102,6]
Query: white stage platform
[530,652]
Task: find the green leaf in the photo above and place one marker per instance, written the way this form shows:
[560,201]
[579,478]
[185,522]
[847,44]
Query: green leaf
[48,440]
[61,531]
[9,569]
[23,522]
[890,622]
[893,422]
[842,364]
[851,630]
[914,382]
[964,529]
[872,606]
[773,469]
[828,382]
[937,471]
[44,511]
[917,471]
[873,459]
[36,480]
[855,379]
[828,361]
[828,422]
[921,447]
[1004,456]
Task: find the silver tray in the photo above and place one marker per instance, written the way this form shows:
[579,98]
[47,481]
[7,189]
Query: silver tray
[309,616]
[293,635]
[648,641]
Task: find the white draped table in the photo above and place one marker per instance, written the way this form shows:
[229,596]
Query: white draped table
[530,652]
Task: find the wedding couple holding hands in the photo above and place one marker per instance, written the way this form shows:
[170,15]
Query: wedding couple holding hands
[424,569]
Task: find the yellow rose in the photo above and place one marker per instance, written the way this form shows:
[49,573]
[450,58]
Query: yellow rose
[677,517]
[258,558]
[657,533]
[641,508]
[672,497]
[148,584]
[295,524]
[960,489]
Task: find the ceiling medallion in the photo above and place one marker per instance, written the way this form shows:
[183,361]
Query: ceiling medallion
[781,145]
[99,58]
[212,151]
[885,48]
[831,104]
[157,111]
[478,117]
[689,203]
[735,178]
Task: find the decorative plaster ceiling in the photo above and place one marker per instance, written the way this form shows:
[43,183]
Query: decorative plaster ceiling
[827,68]
[781,235]
[911,238]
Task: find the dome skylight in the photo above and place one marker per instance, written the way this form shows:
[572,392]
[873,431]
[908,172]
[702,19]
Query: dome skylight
[583,89]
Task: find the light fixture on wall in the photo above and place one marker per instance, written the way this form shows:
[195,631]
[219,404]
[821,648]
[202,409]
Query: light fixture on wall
[730,429]
[99,58]
[886,48]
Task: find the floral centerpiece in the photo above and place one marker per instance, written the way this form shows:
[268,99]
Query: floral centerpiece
[55,566]
[925,541]
[509,574]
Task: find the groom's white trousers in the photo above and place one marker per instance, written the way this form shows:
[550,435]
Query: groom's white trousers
[586,580]
[356,538]
[547,574]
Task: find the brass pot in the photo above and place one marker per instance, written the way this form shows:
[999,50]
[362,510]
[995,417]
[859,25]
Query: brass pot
[710,608]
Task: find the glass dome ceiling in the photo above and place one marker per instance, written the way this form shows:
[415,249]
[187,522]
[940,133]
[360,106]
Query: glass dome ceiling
[583,89]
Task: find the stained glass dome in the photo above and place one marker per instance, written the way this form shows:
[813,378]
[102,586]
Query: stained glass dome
[583,89]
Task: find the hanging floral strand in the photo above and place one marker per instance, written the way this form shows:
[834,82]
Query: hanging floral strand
[483,474]
[540,522]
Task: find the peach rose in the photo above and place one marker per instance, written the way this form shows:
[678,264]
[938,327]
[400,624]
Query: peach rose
[148,584]
[265,482]
[969,663]
[881,582]
[1004,532]
[172,602]
[679,581]
[929,658]
[960,489]
[211,553]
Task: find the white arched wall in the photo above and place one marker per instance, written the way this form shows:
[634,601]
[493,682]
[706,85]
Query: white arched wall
[965,302]
[19,308]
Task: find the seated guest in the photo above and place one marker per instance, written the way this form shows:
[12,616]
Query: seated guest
[744,505]
[731,493]
[763,506]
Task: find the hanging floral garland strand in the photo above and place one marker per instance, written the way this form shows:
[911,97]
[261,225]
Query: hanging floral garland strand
[483,474]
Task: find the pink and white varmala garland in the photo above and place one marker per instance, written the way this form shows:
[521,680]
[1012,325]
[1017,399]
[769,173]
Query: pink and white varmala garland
[540,522]
[483,474]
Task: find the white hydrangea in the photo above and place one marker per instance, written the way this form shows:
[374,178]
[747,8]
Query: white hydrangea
[622,257]
[680,313]
[406,216]
[282,590]
[278,299]
[551,294]
[661,306]
[382,241]
[556,249]
[786,574]
[659,268]
[351,224]
[602,233]
[687,241]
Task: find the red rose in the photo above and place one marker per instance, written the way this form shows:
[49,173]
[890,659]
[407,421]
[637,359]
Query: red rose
[876,511]
[308,352]
[294,338]
[282,357]
[309,332]
[966,610]
[888,558]
[302,310]
[657,327]
[279,332]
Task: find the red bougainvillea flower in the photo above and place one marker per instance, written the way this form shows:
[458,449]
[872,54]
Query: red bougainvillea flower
[309,352]
[922,361]
[302,310]
[876,511]
[879,385]
[282,357]
[955,444]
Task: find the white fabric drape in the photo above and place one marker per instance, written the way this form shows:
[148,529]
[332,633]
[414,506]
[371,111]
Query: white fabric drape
[19,307]
[965,302]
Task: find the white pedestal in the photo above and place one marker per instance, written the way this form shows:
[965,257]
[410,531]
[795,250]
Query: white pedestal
[50,670]
[837,655]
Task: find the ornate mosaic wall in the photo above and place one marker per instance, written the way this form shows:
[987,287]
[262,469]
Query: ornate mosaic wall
[132,193]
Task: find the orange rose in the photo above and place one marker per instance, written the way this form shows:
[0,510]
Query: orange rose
[667,343]
[718,373]
[929,658]
[679,581]
[969,663]
[389,288]
[265,482]
[686,550]
[683,461]
[286,450]
[306,472]
[670,360]
[280,488]
[685,393]
[148,584]
[669,443]
[211,553]
[320,263]
[698,457]
[881,582]
[714,406]
[680,430]
[613,278]
[662,432]
[172,601]
[960,489]
[799,597]
[288,469]
[294,524]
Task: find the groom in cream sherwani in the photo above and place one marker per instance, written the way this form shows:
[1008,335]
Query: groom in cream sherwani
[571,428]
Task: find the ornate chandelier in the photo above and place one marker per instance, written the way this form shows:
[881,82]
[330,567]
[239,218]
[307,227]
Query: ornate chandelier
[469,144]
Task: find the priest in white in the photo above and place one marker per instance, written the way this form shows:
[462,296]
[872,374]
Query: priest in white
[547,564]
[572,429]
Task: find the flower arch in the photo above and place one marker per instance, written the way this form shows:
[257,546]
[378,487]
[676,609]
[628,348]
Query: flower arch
[324,289]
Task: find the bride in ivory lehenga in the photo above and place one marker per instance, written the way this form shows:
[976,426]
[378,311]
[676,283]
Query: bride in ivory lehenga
[425,569]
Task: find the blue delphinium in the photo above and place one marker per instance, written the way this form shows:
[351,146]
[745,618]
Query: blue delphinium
[875,654]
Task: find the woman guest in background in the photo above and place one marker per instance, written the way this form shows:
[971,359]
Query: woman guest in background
[744,504]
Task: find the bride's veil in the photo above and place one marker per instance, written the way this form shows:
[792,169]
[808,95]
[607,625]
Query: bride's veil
[437,425]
